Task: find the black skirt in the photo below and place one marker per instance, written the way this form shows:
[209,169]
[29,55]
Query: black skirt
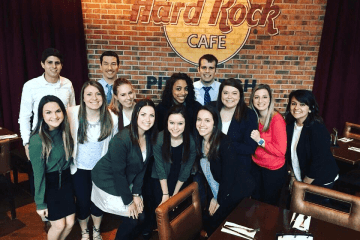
[59,198]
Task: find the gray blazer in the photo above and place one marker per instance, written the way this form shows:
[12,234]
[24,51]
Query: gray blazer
[161,169]
[122,166]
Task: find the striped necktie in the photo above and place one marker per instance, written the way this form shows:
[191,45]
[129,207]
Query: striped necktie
[109,93]
[207,98]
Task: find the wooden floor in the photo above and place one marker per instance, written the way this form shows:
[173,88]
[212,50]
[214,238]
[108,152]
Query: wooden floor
[28,224]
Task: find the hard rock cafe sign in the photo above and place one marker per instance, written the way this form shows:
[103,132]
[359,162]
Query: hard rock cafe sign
[197,27]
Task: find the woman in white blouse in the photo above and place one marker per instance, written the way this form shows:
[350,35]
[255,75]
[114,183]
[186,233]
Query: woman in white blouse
[92,127]
[123,101]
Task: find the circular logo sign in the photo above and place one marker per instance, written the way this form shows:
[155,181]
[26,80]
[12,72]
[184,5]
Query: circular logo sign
[203,29]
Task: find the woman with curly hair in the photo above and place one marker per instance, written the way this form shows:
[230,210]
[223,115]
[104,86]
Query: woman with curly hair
[179,89]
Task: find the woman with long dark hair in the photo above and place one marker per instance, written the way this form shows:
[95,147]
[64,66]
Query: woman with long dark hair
[268,166]
[179,90]
[308,142]
[92,127]
[228,180]
[118,176]
[237,119]
[174,154]
[123,101]
[50,148]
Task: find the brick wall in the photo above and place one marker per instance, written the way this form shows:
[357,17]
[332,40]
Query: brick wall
[286,61]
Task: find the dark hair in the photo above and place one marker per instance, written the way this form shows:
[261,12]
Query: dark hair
[109,54]
[271,111]
[215,137]
[167,98]
[43,129]
[308,98]
[210,58]
[134,131]
[106,123]
[115,106]
[166,147]
[240,111]
[51,52]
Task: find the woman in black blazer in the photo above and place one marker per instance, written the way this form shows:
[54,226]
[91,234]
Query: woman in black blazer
[238,121]
[228,181]
[118,176]
[179,89]
[123,101]
[308,142]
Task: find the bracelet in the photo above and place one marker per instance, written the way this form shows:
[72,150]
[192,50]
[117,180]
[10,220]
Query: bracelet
[136,195]
[165,194]
[130,203]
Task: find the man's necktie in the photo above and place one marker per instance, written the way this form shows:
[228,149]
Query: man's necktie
[207,98]
[109,93]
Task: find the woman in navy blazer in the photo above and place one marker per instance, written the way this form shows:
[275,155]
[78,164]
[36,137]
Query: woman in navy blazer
[238,121]
[228,181]
[118,176]
[308,142]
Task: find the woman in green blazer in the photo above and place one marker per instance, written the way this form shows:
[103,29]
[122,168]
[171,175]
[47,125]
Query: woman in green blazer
[118,176]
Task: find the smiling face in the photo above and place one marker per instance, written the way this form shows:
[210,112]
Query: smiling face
[207,72]
[204,123]
[53,115]
[109,68]
[125,95]
[261,100]
[52,67]
[230,96]
[176,125]
[180,91]
[299,110]
[92,98]
[146,119]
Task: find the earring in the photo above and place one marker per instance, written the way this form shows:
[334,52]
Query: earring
[309,111]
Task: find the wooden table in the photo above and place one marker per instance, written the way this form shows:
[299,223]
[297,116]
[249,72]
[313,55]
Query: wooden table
[342,153]
[272,220]
[4,131]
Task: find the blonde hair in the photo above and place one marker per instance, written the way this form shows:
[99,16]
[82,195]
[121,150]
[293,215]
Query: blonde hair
[271,110]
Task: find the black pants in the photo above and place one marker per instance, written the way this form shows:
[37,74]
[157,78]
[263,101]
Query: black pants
[268,183]
[130,228]
[211,223]
[82,186]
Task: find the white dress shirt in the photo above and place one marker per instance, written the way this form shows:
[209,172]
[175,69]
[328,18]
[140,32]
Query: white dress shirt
[200,92]
[33,91]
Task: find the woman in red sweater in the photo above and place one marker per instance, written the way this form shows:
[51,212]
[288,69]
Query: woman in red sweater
[268,167]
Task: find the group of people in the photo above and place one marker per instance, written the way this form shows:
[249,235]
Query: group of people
[115,154]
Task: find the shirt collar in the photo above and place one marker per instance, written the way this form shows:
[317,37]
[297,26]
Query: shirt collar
[212,85]
[43,80]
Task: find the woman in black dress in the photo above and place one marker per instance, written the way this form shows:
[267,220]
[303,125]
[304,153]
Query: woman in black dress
[50,148]
[174,154]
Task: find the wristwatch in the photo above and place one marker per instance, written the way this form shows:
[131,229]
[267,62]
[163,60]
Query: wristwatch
[261,142]
[136,195]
